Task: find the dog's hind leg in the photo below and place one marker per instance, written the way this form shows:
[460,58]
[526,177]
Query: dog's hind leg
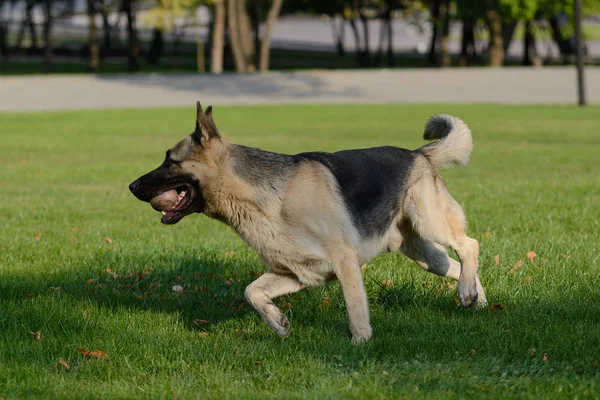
[434,215]
[433,258]
[261,292]
[348,273]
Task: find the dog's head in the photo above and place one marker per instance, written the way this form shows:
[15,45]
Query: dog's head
[176,187]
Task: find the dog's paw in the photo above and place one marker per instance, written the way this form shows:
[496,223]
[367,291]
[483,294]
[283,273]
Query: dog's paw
[280,324]
[481,304]
[361,335]
[467,294]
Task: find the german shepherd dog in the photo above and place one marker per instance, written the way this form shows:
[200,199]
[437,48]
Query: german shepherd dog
[316,216]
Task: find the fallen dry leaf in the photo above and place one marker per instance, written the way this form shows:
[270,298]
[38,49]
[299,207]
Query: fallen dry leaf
[518,265]
[37,336]
[230,254]
[203,334]
[110,271]
[527,280]
[86,312]
[93,353]
[108,240]
[488,235]
[326,303]
[531,352]
[497,307]
[37,236]
[64,364]
[201,322]
[531,256]
[258,363]
[180,278]
[473,352]
[365,265]
[545,358]
[497,260]
[386,283]
[73,239]
[284,305]
[229,281]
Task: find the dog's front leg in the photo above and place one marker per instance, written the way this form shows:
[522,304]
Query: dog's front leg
[347,270]
[261,292]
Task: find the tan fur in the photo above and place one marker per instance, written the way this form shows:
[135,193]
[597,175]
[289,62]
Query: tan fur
[306,237]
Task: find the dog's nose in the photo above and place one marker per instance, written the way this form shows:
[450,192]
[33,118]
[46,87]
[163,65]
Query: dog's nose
[133,186]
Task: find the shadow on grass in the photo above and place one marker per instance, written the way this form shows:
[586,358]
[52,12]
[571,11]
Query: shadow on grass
[410,322]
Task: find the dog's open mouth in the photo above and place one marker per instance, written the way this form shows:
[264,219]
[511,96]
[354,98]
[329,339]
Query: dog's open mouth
[173,203]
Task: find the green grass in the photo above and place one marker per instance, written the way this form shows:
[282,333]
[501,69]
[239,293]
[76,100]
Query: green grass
[533,184]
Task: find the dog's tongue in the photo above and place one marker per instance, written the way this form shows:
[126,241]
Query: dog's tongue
[166,201]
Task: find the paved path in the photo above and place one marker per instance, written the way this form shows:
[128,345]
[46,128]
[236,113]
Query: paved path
[473,85]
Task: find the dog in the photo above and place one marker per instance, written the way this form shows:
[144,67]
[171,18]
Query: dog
[316,216]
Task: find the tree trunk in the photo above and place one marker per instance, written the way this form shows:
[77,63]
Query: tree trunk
[234,36]
[106,28]
[94,48]
[444,58]
[245,33]
[338,35]
[467,51]
[366,54]
[27,23]
[32,30]
[255,18]
[434,45]
[530,52]
[494,21]
[3,38]
[562,44]
[265,45]
[508,31]
[134,47]
[156,47]
[218,42]
[356,34]
[382,33]
[390,48]
[48,51]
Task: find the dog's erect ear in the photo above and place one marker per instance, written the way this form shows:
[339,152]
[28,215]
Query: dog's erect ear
[206,128]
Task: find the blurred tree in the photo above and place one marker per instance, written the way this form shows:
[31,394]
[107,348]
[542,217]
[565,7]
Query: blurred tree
[265,45]
[333,9]
[356,14]
[218,37]
[105,7]
[172,16]
[94,43]
[469,12]
[48,46]
[27,23]
[249,49]
[4,25]
[133,46]
[438,49]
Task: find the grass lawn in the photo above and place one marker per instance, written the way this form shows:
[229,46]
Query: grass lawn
[89,266]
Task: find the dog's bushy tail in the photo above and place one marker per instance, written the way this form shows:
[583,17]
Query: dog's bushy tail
[454,145]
